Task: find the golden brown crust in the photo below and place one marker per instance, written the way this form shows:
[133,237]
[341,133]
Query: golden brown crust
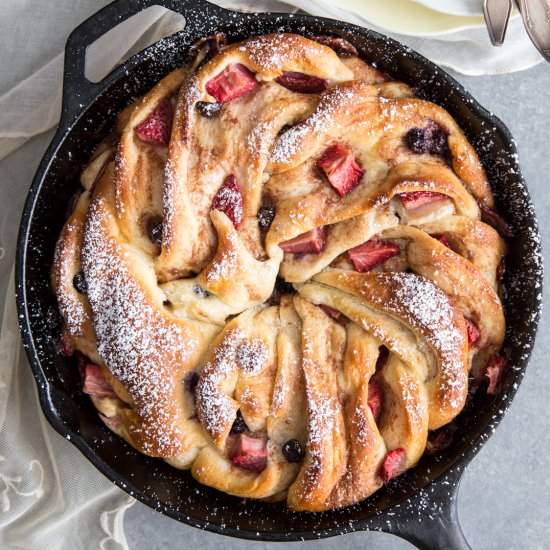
[410,300]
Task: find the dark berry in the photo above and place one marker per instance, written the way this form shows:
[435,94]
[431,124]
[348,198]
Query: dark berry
[440,439]
[418,141]
[239,426]
[190,381]
[265,216]
[154,229]
[208,110]
[432,139]
[281,287]
[292,451]
[79,283]
[439,142]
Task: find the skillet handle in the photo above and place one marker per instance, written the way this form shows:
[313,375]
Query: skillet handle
[77,90]
[429,520]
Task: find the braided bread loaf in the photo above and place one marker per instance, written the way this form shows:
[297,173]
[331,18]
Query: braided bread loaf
[277,275]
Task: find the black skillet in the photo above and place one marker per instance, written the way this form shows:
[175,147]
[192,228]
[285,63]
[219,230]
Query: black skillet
[419,506]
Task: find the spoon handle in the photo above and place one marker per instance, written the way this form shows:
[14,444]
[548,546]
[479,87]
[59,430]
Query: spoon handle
[536,19]
[497,15]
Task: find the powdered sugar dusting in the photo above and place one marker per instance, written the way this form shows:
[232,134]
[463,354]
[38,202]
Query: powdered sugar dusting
[293,143]
[429,309]
[236,352]
[136,341]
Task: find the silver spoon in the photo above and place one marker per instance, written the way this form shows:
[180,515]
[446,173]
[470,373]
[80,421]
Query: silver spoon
[497,15]
[536,18]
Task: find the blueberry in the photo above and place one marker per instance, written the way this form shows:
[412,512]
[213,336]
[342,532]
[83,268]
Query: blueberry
[79,283]
[265,216]
[432,139]
[281,287]
[239,426]
[418,141]
[154,229]
[208,110]
[292,451]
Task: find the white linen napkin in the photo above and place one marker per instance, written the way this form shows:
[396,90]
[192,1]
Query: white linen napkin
[50,495]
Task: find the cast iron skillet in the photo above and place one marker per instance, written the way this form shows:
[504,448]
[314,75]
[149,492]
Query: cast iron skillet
[420,505]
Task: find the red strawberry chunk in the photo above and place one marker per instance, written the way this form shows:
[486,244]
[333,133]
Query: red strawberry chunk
[338,316]
[415,199]
[249,453]
[94,382]
[495,370]
[229,200]
[473,332]
[496,221]
[342,171]
[157,127]
[302,83]
[233,82]
[312,242]
[442,240]
[368,255]
[375,399]
[394,464]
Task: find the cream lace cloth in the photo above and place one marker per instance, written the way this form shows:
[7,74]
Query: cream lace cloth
[50,495]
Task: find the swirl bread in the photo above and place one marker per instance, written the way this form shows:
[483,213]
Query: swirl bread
[279,274]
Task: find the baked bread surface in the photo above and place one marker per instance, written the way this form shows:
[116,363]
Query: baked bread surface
[279,273]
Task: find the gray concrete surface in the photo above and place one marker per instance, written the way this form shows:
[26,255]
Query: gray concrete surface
[504,501]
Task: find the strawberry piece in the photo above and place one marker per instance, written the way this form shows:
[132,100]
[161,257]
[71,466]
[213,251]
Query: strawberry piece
[496,221]
[394,464]
[338,316]
[438,440]
[233,82]
[495,369]
[342,47]
[473,332]
[249,453]
[415,199]
[229,200]
[94,382]
[342,171]
[375,399]
[302,83]
[368,255]
[157,127]
[312,242]
[442,240]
